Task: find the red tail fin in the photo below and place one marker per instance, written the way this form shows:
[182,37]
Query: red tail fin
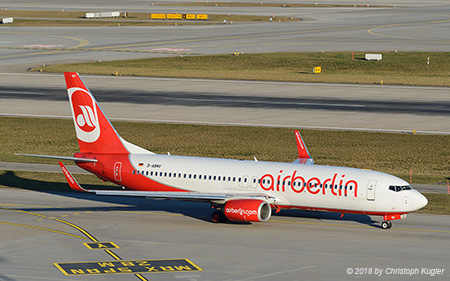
[94,131]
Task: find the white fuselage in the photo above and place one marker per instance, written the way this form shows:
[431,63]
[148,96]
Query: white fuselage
[311,187]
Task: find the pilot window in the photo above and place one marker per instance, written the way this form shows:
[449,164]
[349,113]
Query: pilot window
[397,188]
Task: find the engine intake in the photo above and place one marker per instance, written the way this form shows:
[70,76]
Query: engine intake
[247,210]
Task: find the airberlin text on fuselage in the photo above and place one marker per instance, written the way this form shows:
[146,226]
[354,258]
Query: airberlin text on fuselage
[337,185]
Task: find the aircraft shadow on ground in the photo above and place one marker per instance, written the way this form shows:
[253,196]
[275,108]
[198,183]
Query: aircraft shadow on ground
[197,210]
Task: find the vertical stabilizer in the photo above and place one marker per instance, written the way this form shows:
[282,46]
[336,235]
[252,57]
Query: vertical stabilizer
[94,131]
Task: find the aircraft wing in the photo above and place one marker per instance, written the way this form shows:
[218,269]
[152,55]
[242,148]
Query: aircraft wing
[190,196]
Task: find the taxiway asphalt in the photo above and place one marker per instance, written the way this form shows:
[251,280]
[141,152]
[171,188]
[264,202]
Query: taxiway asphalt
[36,233]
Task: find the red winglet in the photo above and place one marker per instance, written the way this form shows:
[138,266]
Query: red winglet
[302,150]
[70,179]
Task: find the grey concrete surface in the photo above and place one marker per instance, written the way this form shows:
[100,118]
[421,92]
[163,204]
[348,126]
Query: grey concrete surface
[410,26]
[247,103]
[291,246]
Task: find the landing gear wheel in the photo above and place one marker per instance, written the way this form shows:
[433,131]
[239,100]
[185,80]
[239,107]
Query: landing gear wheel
[386,225]
[218,217]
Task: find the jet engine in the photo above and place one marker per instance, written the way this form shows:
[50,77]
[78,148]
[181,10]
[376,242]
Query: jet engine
[247,210]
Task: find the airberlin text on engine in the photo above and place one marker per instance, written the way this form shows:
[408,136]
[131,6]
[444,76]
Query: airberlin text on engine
[336,185]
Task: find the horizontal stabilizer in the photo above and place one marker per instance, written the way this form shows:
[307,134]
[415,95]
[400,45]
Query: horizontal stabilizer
[76,159]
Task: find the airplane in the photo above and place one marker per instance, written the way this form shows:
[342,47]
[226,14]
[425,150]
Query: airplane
[238,190]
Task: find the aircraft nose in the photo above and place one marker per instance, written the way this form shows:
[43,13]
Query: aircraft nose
[418,201]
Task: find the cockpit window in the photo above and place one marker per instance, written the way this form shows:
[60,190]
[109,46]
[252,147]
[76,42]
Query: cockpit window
[397,188]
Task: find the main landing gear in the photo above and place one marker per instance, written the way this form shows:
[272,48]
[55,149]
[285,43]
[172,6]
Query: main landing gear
[218,217]
[386,225]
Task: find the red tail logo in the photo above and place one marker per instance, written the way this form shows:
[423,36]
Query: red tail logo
[85,113]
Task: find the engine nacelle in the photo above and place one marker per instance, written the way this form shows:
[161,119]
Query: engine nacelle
[247,210]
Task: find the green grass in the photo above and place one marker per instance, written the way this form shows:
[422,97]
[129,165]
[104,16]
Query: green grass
[337,67]
[437,204]
[426,155]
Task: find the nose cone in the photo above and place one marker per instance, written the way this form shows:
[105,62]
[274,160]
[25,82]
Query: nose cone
[418,201]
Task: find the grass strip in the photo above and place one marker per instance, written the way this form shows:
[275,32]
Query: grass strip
[437,204]
[409,68]
[426,155]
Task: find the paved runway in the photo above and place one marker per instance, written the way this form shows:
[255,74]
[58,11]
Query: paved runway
[246,103]
[291,246]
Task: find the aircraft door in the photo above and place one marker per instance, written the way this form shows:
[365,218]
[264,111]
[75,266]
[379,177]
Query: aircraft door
[118,171]
[371,189]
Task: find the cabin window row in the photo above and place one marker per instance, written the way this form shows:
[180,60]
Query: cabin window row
[237,179]
[190,176]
